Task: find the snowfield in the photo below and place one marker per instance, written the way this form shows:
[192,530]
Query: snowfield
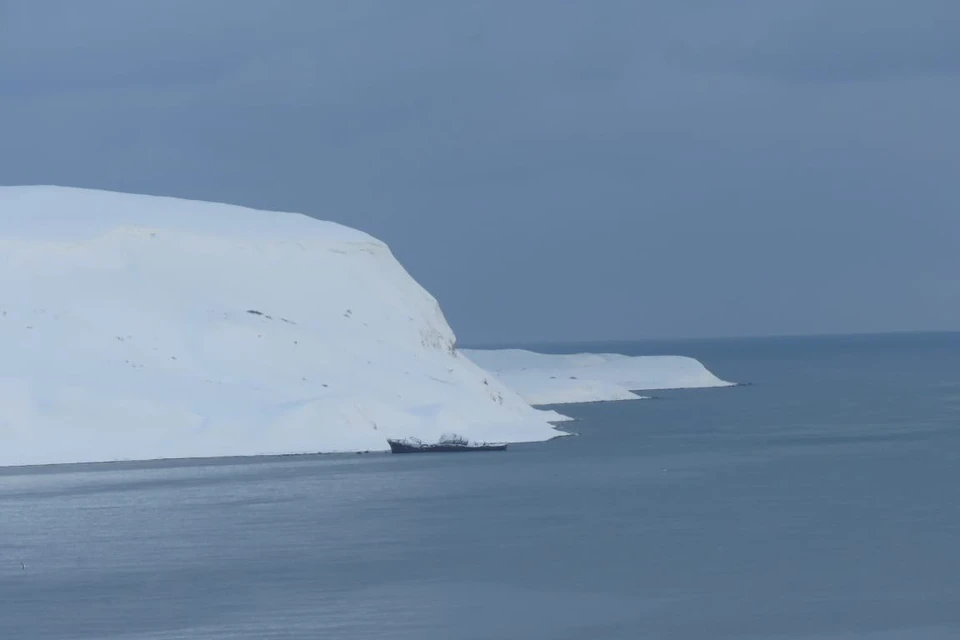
[543,379]
[141,327]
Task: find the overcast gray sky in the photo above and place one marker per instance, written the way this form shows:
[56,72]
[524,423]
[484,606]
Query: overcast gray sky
[599,169]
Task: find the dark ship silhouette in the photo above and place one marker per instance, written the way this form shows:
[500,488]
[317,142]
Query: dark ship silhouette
[446,444]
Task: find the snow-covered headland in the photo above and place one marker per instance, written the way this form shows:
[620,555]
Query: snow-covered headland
[543,379]
[139,327]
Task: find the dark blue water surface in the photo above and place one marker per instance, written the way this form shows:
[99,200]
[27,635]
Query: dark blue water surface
[821,502]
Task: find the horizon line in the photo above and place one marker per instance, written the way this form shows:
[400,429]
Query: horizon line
[487,344]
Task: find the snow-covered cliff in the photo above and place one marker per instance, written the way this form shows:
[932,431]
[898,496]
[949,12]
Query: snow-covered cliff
[140,327]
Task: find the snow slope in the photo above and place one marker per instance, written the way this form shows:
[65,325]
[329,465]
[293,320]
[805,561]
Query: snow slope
[140,327]
[590,377]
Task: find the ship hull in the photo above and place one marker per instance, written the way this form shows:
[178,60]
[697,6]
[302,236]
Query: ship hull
[403,447]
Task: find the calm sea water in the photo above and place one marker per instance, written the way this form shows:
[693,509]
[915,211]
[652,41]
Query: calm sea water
[821,502]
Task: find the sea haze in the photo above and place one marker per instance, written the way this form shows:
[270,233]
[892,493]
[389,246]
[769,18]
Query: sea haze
[820,502]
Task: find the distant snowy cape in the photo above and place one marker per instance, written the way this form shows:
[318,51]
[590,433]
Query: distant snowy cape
[542,378]
[140,327]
